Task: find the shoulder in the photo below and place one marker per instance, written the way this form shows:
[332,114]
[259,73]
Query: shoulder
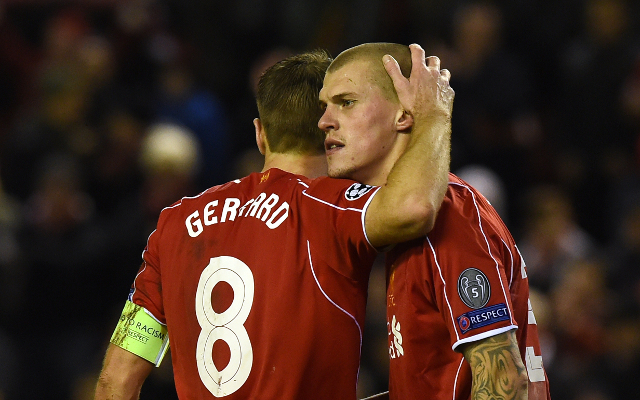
[459,188]
[460,197]
[351,190]
[461,194]
[466,207]
[464,204]
[231,188]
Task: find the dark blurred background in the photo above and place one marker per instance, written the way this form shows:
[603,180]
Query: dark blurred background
[111,110]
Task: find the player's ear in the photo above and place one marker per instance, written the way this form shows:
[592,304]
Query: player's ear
[404,121]
[261,136]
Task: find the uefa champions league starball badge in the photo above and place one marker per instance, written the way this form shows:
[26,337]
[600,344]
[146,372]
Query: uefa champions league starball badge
[356,191]
[473,288]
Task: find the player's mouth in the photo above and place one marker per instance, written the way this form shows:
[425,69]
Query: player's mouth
[332,146]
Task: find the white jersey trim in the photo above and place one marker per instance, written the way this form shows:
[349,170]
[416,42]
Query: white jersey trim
[334,303]
[484,335]
[153,316]
[143,260]
[177,204]
[328,298]
[444,283]
[510,255]
[362,210]
[304,192]
[364,213]
[486,240]
[130,297]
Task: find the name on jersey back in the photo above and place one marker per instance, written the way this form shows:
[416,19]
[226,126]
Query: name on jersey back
[261,207]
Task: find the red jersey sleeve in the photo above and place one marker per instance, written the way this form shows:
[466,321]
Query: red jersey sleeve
[294,258]
[146,290]
[471,258]
[338,209]
[464,282]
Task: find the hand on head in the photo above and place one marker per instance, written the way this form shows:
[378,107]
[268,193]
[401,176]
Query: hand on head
[426,93]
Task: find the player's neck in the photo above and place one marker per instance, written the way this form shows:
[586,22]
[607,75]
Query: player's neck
[311,166]
[376,174]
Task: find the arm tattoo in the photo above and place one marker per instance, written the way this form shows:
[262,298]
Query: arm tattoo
[497,369]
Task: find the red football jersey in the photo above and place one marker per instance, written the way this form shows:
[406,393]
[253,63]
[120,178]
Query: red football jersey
[262,283]
[466,281]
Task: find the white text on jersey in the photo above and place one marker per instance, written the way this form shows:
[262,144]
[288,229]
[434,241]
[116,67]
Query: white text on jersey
[261,207]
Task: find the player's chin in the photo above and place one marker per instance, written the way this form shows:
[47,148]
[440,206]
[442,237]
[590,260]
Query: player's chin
[340,172]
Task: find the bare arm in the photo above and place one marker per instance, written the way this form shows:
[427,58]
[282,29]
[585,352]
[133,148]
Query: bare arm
[497,369]
[122,375]
[406,207]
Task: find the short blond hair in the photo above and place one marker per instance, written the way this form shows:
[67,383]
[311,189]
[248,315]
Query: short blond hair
[372,53]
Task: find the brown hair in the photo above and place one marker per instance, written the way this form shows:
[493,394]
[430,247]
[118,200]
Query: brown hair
[288,104]
[372,53]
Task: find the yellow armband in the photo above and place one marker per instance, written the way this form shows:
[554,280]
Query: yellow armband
[141,334]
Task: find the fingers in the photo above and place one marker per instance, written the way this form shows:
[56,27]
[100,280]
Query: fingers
[391,65]
[417,56]
[433,66]
[433,62]
[427,89]
[444,78]
[393,69]
[447,94]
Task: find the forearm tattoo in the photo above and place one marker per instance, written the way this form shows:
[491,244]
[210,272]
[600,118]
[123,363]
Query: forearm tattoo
[497,368]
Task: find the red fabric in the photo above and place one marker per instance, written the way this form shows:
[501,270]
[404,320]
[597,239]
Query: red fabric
[427,317]
[310,277]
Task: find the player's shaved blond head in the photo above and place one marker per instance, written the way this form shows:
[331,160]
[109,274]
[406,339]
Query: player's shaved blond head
[372,53]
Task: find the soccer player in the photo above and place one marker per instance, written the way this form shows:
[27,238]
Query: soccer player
[260,284]
[460,324]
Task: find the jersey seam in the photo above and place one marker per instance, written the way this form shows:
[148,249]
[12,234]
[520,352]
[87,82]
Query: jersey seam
[511,256]
[484,335]
[153,316]
[304,192]
[364,213]
[329,298]
[444,283]
[489,250]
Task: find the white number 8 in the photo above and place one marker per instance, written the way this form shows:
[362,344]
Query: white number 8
[227,326]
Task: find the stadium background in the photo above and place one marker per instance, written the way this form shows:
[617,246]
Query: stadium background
[110,110]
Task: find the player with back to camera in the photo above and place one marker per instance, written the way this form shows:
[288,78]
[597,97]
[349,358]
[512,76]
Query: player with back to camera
[260,284]
[460,324]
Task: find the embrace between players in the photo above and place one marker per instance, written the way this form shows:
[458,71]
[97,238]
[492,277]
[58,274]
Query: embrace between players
[259,310]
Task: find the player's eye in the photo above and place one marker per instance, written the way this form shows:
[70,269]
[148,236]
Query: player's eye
[347,102]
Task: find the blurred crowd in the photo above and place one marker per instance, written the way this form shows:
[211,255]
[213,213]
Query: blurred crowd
[111,110]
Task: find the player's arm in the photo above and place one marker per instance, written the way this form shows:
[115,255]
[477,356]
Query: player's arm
[406,206]
[497,369]
[122,375]
[138,343]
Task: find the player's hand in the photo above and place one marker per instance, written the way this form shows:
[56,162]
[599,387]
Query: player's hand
[426,94]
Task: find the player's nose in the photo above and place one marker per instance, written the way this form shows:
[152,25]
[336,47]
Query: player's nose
[327,121]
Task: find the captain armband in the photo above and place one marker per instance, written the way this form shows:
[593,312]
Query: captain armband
[141,334]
